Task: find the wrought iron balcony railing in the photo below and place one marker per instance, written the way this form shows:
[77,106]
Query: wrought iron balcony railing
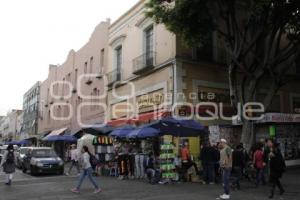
[144,62]
[113,76]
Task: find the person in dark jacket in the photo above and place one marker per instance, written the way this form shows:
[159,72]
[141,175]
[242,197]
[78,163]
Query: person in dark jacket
[277,167]
[8,163]
[238,164]
[208,158]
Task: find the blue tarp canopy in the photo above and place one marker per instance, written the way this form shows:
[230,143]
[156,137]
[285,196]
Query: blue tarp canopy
[21,142]
[62,138]
[98,129]
[121,132]
[143,132]
[179,127]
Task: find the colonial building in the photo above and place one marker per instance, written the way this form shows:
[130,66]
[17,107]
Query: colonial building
[68,96]
[31,111]
[11,125]
[135,71]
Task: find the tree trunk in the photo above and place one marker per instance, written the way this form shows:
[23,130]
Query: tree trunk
[248,136]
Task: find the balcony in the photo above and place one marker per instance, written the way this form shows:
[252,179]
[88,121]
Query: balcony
[144,63]
[113,77]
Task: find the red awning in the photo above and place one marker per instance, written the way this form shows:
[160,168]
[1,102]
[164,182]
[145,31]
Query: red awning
[144,118]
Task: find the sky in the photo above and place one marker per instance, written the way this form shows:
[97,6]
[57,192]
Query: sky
[36,33]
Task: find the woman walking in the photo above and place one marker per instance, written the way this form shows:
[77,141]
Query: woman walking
[8,163]
[87,171]
[277,167]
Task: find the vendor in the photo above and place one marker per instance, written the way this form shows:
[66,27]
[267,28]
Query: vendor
[186,158]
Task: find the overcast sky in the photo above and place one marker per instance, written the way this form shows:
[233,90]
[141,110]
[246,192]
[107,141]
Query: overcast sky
[36,33]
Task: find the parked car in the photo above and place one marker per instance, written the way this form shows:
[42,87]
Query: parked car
[39,160]
[2,150]
[21,154]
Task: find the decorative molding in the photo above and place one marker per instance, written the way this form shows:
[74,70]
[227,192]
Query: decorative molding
[118,40]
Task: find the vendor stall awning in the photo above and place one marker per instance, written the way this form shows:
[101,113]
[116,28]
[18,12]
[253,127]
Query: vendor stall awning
[57,132]
[145,118]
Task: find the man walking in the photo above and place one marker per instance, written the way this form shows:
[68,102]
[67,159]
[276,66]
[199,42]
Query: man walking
[74,160]
[226,166]
[207,157]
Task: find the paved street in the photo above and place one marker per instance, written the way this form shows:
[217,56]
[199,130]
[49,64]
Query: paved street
[57,187]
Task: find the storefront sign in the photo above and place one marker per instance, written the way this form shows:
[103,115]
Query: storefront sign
[149,101]
[217,95]
[122,109]
[280,118]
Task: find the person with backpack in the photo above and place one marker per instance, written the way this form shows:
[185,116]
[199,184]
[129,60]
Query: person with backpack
[9,162]
[87,162]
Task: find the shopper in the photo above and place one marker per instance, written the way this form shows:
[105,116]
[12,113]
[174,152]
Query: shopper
[238,164]
[277,167]
[258,163]
[186,159]
[74,160]
[87,171]
[8,163]
[226,166]
[207,157]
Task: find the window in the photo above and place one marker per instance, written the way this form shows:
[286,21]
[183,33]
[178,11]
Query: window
[75,77]
[101,60]
[296,104]
[85,67]
[149,40]
[298,65]
[91,64]
[63,88]
[118,52]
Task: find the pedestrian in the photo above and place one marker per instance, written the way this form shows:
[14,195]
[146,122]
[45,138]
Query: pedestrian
[238,164]
[207,157]
[87,171]
[266,168]
[74,160]
[217,162]
[258,164]
[186,159]
[226,166]
[9,162]
[277,168]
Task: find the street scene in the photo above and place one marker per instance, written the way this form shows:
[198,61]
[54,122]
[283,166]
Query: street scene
[56,187]
[150,99]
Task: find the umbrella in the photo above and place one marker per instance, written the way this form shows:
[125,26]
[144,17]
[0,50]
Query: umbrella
[179,127]
[98,129]
[63,138]
[121,132]
[143,132]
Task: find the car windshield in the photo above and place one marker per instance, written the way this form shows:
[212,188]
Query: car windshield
[43,153]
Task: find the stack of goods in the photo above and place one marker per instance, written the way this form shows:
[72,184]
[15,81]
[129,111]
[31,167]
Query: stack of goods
[104,152]
[167,165]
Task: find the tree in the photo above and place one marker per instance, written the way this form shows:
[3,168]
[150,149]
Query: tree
[261,36]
